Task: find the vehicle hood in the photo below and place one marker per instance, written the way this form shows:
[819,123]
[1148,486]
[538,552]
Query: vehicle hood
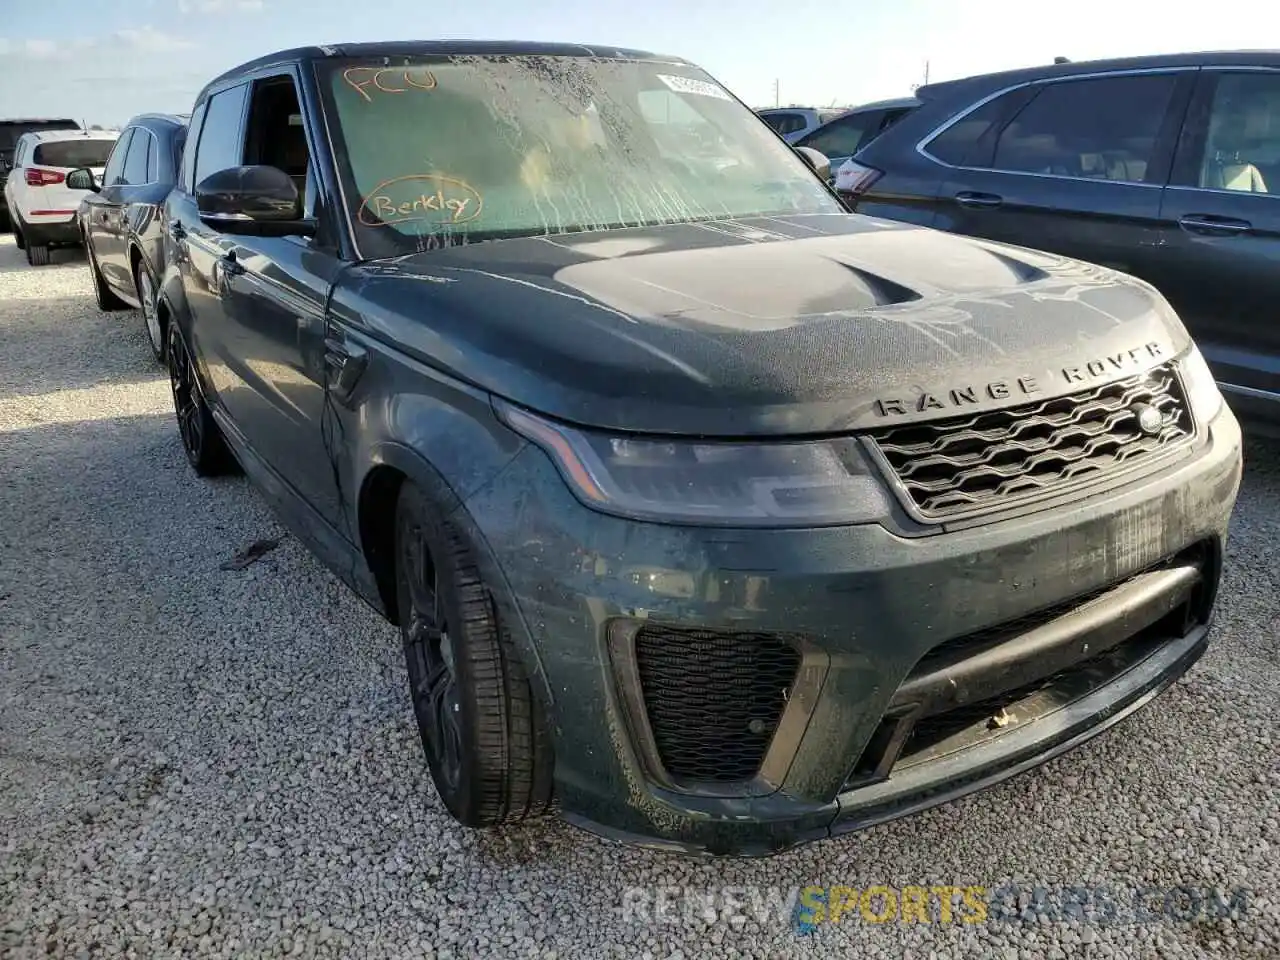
[778,326]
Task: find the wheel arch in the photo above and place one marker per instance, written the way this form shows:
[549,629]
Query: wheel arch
[171,302]
[390,465]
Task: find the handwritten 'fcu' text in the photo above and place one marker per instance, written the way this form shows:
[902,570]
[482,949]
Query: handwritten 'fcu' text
[388,79]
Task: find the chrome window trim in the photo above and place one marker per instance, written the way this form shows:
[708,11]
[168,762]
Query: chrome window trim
[1220,191]
[1256,393]
[922,144]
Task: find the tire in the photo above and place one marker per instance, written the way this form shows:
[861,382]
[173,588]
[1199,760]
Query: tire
[482,730]
[37,254]
[150,312]
[202,440]
[106,299]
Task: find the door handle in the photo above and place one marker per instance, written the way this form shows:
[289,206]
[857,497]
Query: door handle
[1208,224]
[177,230]
[345,363]
[968,198]
[231,266]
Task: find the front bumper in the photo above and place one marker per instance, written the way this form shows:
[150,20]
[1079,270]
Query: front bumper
[868,612]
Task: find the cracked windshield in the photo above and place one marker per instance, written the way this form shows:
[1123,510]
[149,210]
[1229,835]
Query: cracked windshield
[481,148]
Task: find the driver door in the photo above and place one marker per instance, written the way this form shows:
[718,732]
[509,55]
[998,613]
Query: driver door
[268,328]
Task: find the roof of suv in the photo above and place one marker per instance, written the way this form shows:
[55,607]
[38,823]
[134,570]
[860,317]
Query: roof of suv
[51,135]
[892,104]
[1225,58]
[176,119]
[438,48]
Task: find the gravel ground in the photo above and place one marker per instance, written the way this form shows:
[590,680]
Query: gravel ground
[204,762]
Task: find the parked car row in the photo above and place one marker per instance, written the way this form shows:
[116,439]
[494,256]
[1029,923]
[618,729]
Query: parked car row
[1167,168]
[719,516]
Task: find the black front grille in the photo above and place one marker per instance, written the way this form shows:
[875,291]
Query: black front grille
[993,459]
[713,699]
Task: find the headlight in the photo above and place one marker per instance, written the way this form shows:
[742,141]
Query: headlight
[1197,379]
[713,483]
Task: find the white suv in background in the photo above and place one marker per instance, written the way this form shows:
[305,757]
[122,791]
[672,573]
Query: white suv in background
[794,122]
[41,206]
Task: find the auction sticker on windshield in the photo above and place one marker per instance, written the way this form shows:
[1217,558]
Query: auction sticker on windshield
[690,85]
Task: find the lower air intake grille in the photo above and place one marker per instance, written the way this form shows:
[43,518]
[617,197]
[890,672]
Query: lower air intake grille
[966,464]
[713,699]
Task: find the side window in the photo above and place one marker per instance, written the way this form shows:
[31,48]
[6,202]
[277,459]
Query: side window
[175,150]
[968,141]
[1242,140]
[186,179]
[785,123]
[221,145]
[153,159]
[1104,129]
[19,152]
[114,170]
[276,135]
[135,163]
[893,116]
[843,137]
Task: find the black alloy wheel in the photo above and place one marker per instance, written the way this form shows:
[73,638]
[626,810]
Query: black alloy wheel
[150,309]
[482,730]
[431,665]
[201,439]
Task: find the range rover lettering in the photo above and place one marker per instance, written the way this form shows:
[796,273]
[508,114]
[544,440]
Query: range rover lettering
[719,516]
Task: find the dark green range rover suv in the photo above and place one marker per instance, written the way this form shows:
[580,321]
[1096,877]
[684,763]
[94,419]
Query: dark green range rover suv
[720,516]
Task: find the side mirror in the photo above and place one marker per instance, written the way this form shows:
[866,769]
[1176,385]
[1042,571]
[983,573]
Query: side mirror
[82,179]
[256,200]
[821,165]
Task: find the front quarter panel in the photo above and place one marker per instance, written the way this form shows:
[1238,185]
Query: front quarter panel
[436,431]
[172,294]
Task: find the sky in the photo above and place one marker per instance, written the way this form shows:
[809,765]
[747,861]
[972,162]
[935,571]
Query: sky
[102,61]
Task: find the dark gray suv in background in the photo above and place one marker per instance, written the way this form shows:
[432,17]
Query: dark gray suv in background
[1167,168]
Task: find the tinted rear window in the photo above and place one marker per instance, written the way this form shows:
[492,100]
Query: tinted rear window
[959,144]
[72,153]
[1104,128]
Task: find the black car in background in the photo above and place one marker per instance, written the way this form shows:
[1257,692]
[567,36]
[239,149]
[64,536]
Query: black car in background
[1167,168]
[10,131]
[122,219]
[721,516]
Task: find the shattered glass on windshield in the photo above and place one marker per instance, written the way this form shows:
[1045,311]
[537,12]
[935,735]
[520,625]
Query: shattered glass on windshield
[455,150]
